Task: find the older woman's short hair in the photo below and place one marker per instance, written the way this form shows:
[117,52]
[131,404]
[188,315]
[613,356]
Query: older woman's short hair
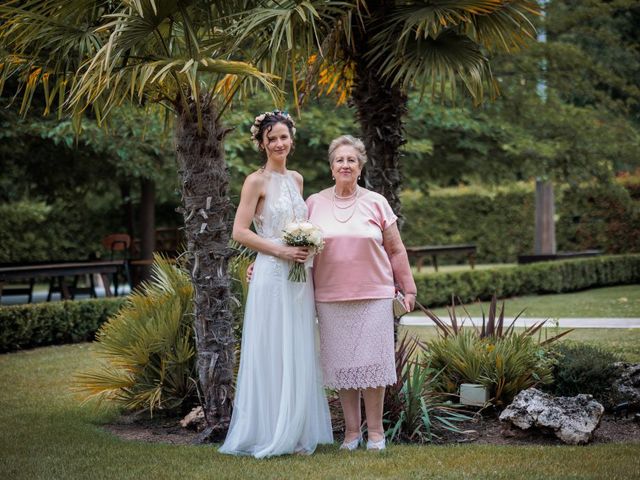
[351,141]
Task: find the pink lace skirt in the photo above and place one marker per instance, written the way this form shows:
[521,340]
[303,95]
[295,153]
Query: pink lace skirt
[356,343]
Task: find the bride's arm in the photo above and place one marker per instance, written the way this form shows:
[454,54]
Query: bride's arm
[249,198]
[299,181]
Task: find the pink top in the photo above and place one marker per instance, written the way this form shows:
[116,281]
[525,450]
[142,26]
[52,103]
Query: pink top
[353,265]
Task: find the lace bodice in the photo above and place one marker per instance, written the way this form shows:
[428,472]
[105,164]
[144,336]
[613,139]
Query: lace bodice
[282,205]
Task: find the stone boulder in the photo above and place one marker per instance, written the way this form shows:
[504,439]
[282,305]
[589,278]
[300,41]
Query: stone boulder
[627,387]
[572,419]
[194,420]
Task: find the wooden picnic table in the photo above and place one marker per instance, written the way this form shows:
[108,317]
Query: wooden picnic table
[418,253]
[57,272]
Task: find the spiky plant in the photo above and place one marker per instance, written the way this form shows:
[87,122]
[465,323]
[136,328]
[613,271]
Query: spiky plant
[492,323]
[414,410]
[147,349]
[505,361]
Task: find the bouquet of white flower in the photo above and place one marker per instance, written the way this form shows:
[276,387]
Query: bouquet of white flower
[303,234]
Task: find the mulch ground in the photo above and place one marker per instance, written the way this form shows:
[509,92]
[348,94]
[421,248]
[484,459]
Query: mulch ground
[486,430]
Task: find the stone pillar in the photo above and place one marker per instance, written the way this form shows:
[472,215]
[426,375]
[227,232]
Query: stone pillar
[545,239]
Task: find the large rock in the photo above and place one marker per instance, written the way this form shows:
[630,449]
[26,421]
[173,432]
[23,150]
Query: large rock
[194,420]
[572,419]
[627,386]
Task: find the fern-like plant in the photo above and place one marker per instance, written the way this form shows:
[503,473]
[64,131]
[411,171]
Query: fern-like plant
[414,411]
[147,349]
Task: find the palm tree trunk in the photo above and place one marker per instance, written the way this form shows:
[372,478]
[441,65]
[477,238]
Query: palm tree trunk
[380,108]
[206,210]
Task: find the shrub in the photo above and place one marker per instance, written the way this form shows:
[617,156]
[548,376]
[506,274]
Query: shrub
[504,365]
[148,349]
[531,279]
[584,368]
[414,412]
[502,360]
[40,324]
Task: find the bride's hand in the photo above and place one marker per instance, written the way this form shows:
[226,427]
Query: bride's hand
[294,254]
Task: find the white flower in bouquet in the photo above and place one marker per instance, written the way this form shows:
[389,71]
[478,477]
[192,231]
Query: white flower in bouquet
[302,234]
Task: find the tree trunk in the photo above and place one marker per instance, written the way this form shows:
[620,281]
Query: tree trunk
[379,109]
[206,210]
[127,208]
[147,224]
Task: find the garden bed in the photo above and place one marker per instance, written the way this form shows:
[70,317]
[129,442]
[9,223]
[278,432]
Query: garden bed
[488,431]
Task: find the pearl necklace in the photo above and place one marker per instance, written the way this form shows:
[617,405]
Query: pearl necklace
[353,204]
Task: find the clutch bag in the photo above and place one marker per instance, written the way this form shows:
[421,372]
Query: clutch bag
[398,305]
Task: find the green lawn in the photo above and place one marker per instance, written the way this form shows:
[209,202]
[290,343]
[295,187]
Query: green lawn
[622,301]
[46,434]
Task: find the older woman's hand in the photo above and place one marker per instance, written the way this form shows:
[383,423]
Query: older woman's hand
[410,301]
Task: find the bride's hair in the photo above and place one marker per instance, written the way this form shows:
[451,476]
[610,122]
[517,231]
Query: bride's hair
[264,122]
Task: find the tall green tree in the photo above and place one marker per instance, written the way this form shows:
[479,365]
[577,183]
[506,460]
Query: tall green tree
[94,55]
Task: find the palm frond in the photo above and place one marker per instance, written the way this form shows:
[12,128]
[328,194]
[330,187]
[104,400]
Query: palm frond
[508,28]
[147,349]
[440,63]
[44,42]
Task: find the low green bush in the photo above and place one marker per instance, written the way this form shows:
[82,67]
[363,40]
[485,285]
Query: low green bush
[40,324]
[502,359]
[147,350]
[505,365]
[584,368]
[537,278]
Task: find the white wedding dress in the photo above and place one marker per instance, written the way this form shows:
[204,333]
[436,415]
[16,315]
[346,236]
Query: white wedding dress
[279,405]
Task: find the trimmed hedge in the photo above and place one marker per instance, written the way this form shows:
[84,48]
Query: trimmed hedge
[603,217]
[502,226]
[537,278]
[40,324]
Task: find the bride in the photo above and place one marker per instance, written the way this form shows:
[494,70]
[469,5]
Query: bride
[279,404]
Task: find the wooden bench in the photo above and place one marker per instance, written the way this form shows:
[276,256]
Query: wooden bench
[418,253]
[57,272]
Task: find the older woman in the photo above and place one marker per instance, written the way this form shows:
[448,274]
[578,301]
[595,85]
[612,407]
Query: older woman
[355,277]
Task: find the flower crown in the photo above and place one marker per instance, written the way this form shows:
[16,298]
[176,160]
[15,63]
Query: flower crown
[255,128]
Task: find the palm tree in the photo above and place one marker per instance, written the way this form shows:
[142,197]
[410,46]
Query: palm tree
[90,56]
[374,51]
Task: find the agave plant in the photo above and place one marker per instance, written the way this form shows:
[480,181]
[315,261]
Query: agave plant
[147,349]
[492,324]
[504,360]
[415,412]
